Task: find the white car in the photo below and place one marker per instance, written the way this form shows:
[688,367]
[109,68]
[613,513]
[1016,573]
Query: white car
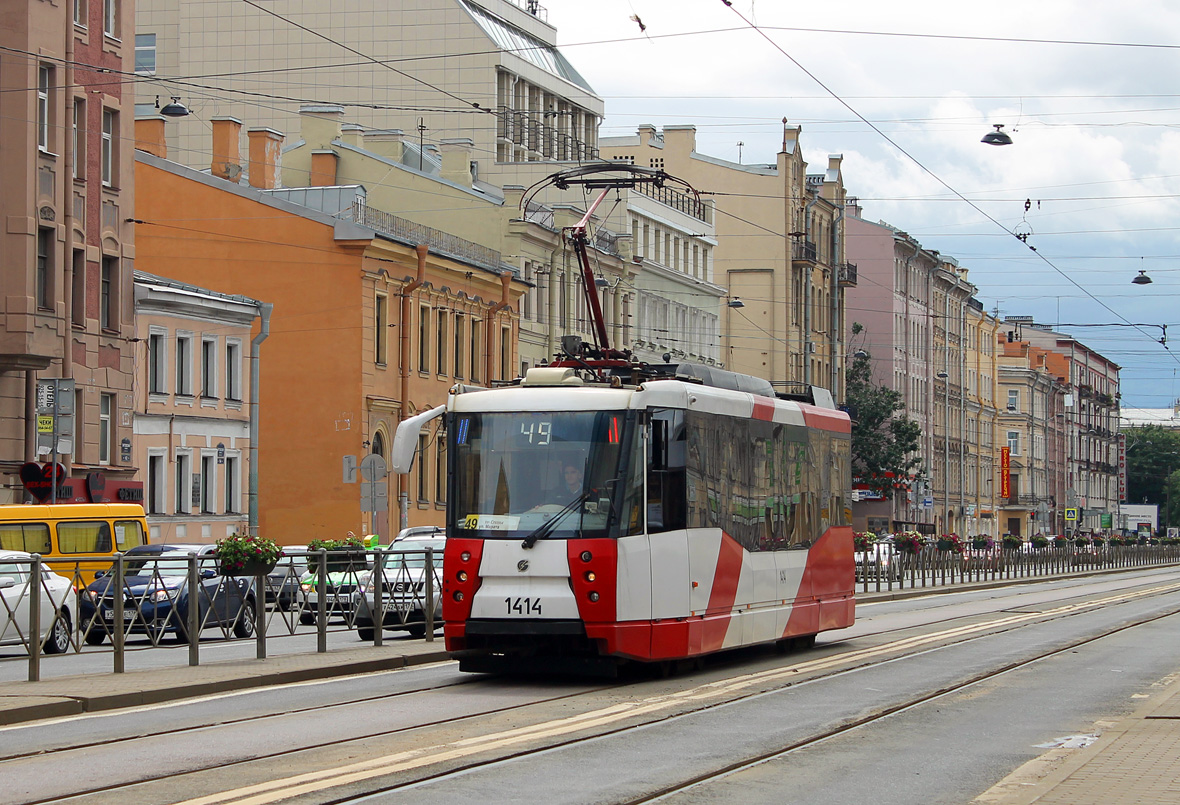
[403,589]
[57,604]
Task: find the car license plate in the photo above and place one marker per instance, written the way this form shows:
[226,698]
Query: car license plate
[108,614]
[400,607]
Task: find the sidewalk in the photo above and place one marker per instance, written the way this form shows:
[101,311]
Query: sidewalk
[71,695]
[1135,761]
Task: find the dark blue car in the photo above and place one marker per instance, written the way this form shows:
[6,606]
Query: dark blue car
[156,596]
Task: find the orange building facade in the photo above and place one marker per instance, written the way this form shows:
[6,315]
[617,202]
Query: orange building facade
[367,328]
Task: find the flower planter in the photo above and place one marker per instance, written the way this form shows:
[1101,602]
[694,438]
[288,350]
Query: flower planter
[979,544]
[250,568]
[946,545]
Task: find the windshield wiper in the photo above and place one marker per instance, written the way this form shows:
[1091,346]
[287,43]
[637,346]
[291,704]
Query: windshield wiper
[546,528]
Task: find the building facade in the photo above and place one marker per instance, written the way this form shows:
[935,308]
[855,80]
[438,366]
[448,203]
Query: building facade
[779,254]
[192,408]
[67,169]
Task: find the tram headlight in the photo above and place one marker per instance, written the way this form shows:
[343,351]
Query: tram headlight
[461,575]
[586,557]
[594,596]
[590,575]
[465,556]
[458,596]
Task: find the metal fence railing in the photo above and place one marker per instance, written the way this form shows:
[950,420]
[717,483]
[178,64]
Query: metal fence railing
[140,601]
[884,568]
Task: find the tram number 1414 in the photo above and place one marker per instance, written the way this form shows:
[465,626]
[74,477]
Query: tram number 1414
[523,606]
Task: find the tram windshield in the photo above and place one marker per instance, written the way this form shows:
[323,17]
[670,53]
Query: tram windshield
[552,475]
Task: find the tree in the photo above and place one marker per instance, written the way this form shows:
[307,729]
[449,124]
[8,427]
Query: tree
[1153,454]
[884,445]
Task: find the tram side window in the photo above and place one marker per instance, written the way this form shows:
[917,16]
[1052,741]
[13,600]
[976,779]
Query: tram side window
[28,537]
[666,502]
[631,520]
[84,536]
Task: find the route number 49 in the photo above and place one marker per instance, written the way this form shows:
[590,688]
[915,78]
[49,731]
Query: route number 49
[523,606]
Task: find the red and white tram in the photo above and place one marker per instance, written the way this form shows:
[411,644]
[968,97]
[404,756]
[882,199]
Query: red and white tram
[590,523]
[601,510]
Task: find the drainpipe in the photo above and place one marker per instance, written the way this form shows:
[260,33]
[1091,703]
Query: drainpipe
[837,325]
[551,315]
[807,298]
[403,481]
[905,391]
[490,324]
[255,347]
[67,353]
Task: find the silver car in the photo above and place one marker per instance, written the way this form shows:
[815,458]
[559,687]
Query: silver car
[403,589]
[56,595]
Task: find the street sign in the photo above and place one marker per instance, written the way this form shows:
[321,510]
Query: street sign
[373,467]
[350,469]
[1071,515]
[374,496]
[55,391]
[928,503]
[44,423]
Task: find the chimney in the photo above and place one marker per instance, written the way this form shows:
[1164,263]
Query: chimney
[323,168]
[681,138]
[351,134]
[149,136]
[319,124]
[265,145]
[227,148]
[385,143]
[852,206]
[647,133]
[456,160]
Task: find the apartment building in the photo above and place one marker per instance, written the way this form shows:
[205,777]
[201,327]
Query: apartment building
[783,317]
[66,167]
[192,408]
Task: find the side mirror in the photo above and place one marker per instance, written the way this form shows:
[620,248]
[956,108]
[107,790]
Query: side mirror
[99,574]
[6,582]
[208,573]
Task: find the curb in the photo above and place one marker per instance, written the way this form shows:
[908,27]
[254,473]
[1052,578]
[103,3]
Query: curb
[228,677]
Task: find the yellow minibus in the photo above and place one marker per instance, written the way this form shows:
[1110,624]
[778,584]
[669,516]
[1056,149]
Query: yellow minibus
[61,532]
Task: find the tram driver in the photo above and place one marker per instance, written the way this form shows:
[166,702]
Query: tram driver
[573,480]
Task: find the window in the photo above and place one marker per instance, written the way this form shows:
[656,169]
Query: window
[423,472]
[155,485]
[505,352]
[233,371]
[423,339]
[183,482]
[80,13]
[109,153]
[44,289]
[440,468]
[30,537]
[78,291]
[1013,399]
[157,364]
[1014,442]
[79,134]
[381,321]
[475,350]
[110,18]
[44,85]
[232,485]
[209,367]
[184,365]
[208,469]
[145,54]
[79,422]
[108,318]
[459,345]
[441,343]
[90,536]
[106,420]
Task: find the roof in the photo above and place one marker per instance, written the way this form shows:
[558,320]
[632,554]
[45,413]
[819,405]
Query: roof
[528,47]
[1141,417]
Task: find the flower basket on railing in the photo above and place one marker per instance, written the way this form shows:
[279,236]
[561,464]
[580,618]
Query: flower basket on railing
[863,541]
[910,542]
[1040,541]
[1116,542]
[245,555]
[1098,542]
[1081,542]
[950,542]
[343,554]
[981,543]
[1012,542]
[1060,541]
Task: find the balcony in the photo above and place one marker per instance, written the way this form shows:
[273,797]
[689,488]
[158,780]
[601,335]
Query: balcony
[437,240]
[846,275]
[522,129]
[805,250]
[689,205]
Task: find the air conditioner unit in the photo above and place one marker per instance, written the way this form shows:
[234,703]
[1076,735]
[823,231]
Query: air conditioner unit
[811,346]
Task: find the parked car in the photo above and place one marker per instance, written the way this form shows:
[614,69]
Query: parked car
[344,572]
[420,531]
[57,603]
[283,584]
[403,589]
[157,598]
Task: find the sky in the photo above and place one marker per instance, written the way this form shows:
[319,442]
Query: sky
[904,91]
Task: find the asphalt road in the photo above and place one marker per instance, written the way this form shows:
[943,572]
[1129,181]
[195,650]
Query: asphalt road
[926,700]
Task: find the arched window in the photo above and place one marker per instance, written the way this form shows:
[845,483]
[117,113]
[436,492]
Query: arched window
[378,444]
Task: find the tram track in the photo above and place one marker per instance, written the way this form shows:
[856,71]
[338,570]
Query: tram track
[463,756]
